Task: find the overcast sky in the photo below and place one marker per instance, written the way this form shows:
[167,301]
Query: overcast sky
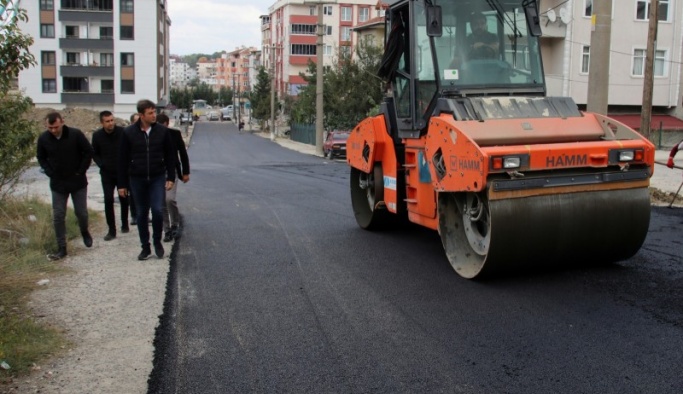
[208,26]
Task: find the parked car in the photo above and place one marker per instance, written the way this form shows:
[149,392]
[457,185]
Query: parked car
[185,117]
[213,115]
[335,143]
[226,113]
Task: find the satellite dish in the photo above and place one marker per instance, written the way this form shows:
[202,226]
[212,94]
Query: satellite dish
[564,16]
[552,17]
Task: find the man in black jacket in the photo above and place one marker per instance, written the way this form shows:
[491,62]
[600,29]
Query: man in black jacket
[147,165]
[105,143]
[64,155]
[171,212]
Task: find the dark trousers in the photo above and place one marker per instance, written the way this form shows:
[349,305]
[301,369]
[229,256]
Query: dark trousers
[109,184]
[149,193]
[59,200]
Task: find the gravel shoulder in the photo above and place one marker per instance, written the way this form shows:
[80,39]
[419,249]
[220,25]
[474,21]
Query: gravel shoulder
[108,306]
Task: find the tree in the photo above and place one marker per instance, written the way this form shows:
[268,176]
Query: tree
[18,134]
[260,96]
[351,89]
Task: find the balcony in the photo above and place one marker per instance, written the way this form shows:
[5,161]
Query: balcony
[80,70]
[86,43]
[87,98]
[93,16]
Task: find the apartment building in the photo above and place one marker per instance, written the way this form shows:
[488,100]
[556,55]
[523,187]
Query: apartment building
[289,36]
[566,54]
[237,70]
[180,72]
[97,54]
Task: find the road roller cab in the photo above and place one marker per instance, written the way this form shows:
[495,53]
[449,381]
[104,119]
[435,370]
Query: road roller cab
[468,144]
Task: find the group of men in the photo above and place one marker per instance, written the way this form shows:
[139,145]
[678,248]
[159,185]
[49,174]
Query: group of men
[142,161]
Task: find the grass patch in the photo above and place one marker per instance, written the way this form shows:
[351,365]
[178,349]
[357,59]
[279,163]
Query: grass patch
[26,236]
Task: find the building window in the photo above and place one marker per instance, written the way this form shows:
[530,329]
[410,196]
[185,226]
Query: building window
[73,58]
[346,14]
[327,10]
[363,14]
[303,49]
[47,5]
[127,33]
[106,33]
[298,28]
[328,30]
[327,50]
[92,5]
[49,86]
[312,10]
[127,6]
[346,33]
[127,59]
[643,10]
[72,84]
[639,63]
[47,31]
[345,51]
[587,7]
[127,86]
[585,59]
[71,31]
[107,86]
[47,58]
[107,59]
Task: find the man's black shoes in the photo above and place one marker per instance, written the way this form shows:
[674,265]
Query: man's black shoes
[87,239]
[125,228]
[110,235]
[145,253]
[133,221]
[168,237]
[159,249]
[58,255]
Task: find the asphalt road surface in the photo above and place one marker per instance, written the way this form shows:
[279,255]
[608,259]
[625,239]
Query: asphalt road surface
[274,288]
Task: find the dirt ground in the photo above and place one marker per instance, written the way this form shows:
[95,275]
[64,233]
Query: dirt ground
[84,119]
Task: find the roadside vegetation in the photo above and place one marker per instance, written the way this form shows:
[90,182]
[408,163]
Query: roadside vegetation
[25,235]
[25,225]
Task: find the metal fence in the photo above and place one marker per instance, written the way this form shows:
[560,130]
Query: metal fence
[302,132]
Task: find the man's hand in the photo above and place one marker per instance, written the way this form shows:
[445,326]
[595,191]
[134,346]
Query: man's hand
[169,185]
[186,178]
[123,193]
[670,163]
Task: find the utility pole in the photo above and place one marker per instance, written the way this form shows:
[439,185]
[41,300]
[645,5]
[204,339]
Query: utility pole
[648,77]
[319,84]
[272,92]
[598,72]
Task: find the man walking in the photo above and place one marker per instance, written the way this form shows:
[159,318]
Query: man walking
[147,165]
[105,143]
[171,212]
[64,155]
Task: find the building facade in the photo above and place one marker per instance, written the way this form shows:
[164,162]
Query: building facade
[180,72]
[289,36]
[566,50]
[99,55]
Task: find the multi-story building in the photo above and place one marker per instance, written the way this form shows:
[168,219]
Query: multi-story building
[289,36]
[235,70]
[105,54]
[180,72]
[565,46]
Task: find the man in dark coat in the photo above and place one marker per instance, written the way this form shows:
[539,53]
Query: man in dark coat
[64,154]
[171,212]
[105,143]
[147,165]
